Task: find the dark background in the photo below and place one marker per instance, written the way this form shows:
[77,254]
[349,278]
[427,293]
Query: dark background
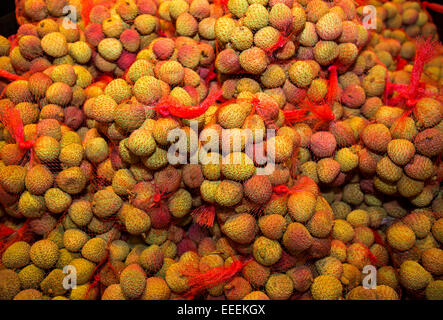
[8,23]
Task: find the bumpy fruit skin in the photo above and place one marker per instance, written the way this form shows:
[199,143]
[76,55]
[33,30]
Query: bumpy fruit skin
[44,254]
[94,250]
[57,201]
[151,259]
[279,287]
[47,149]
[227,61]
[387,275]
[419,168]
[400,151]
[437,230]
[329,26]
[12,178]
[256,274]
[29,294]
[301,205]
[400,237]
[71,180]
[133,281]
[272,226]
[419,223]
[180,203]
[237,166]
[105,203]
[113,292]
[327,170]
[137,221]
[429,112]
[360,293]
[242,38]
[326,287]
[237,288]
[54,44]
[342,230]
[329,266]
[17,255]
[74,239]
[258,189]
[266,37]
[156,289]
[434,291]
[253,60]
[52,285]
[256,295]
[31,276]
[223,28]
[175,279]
[9,284]
[297,237]
[432,260]
[301,277]
[240,228]
[376,137]
[301,74]
[266,251]
[320,224]
[388,171]
[429,142]
[413,276]
[85,269]
[323,144]
[256,17]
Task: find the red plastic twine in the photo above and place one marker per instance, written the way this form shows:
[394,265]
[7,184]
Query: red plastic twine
[408,95]
[401,63]
[222,4]
[332,84]
[9,236]
[12,121]
[96,273]
[302,184]
[204,215]
[87,6]
[282,40]
[168,106]
[321,112]
[10,76]
[433,6]
[199,281]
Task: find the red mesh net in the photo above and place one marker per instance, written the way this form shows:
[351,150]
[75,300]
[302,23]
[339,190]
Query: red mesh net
[170,106]
[401,63]
[222,4]
[302,184]
[200,281]
[12,121]
[283,39]
[10,76]
[96,281]
[317,114]
[204,215]
[432,6]
[87,6]
[408,95]
[9,236]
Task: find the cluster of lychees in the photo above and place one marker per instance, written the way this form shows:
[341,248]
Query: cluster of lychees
[240,149]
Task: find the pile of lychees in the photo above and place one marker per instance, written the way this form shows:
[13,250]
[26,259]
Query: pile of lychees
[239,149]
